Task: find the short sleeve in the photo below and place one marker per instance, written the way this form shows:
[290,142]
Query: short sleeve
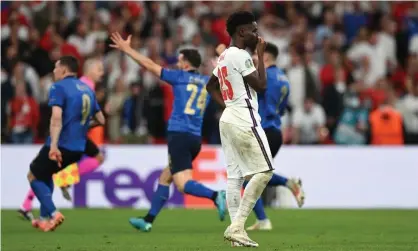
[243,63]
[173,77]
[56,96]
[215,71]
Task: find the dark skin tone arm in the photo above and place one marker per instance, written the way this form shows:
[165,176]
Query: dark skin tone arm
[213,88]
[257,79]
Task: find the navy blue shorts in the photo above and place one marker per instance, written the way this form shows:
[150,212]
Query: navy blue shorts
[275,139]
[183,148]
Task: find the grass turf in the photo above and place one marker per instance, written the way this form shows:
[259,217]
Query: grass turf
[199,230]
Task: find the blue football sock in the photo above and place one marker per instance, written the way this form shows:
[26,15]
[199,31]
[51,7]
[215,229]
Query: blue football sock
[50,185]
[259,210]
[158,199]
[44,213]
[44,195]
[277,180]
[193,187]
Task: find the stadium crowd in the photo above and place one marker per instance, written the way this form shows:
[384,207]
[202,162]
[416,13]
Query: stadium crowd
[352,66]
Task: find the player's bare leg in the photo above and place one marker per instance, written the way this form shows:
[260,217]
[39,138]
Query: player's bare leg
[185,184]
[158,200]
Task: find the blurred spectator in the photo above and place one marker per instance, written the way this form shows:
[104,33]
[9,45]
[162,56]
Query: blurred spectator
[413,45]
[19,74]
[386,126]
[327,29]
[365,59]
[23,116]
[408,106]
[195,43]
[353,20]
[297,80]
[188,21]
[352,123]
[80,40]
[113,109]
[332,52]
[333,98]
[169,53]
[132,112]
[308,123]
[206,31]
[386,46]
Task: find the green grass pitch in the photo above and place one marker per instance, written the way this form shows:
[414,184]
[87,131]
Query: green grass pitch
[199,230]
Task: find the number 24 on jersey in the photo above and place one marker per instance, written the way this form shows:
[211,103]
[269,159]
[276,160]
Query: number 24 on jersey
[226,87]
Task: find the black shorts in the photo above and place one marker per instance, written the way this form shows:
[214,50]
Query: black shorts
[275,139]
[43,168]
[91,149]
[183,148]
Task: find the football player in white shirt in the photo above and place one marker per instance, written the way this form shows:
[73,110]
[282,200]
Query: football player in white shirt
[243,140]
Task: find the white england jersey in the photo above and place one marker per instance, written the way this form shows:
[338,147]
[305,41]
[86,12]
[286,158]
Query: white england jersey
[240,99]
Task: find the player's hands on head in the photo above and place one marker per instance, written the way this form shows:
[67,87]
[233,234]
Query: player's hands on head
[55,155]
[120,43]
[261,46]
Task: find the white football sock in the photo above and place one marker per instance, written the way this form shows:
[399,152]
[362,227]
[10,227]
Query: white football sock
[233,196]
[252,192]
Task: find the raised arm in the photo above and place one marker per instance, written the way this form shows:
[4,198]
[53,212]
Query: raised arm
[125,46]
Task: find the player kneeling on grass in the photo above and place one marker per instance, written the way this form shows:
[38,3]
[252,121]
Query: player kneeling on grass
[272,105]
[73,105]
[184,129]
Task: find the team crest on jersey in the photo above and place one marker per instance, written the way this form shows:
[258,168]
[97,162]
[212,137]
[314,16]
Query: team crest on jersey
[249,63]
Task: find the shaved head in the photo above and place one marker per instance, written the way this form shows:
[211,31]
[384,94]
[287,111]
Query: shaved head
[94,69]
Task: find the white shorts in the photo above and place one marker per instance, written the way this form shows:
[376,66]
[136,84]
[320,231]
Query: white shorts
[246,150]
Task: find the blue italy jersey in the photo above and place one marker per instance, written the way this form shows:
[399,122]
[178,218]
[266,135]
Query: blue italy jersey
[272,102]
[190,100]
[79,104]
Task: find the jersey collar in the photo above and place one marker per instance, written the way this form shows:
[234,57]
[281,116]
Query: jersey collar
[71,76]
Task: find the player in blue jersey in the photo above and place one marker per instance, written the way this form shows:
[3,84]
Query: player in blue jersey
[183,132]
[272,105]
[73,105]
